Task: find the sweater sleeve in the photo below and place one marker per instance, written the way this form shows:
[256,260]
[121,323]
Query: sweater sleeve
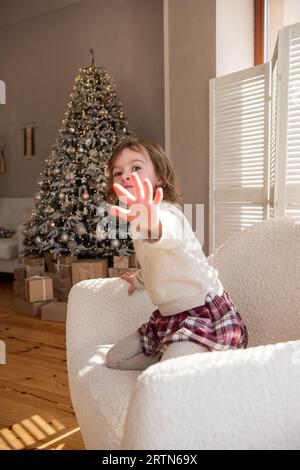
[172,222]
[138,280]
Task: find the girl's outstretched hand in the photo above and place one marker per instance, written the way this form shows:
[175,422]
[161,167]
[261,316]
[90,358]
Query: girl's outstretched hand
[129,278]
[142,212]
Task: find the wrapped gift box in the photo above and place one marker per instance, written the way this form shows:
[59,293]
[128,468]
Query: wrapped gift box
[61,286]
[66,260]
[114,272]
[19,274]
[63,270]
[31,261]
[38,270]
[121,262]
[88,269]
[54,311]
[27,308]
[19,288]
[39,289]
[62,278]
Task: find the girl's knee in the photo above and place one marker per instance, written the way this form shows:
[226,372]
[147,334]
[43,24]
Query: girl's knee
[112,359]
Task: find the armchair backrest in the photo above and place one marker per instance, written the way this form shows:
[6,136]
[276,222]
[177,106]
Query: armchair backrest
[260,269]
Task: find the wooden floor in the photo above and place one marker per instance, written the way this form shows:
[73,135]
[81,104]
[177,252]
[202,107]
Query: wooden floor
[35,406]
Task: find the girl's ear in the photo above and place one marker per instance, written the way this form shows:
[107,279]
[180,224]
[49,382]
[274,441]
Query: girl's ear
[160,181]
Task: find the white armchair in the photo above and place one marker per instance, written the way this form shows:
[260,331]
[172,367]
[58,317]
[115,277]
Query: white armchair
[245,399]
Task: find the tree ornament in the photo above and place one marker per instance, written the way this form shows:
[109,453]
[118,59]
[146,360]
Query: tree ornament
[64,237]
[115,244]
[71,150]
[85,196]
[93,152]
[80,229]
[70,175]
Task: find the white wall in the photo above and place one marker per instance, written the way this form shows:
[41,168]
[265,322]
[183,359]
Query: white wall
[291,12]
[235,35]
[281,13]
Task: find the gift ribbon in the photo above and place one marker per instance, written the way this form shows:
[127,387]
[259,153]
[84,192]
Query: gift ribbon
[41,278]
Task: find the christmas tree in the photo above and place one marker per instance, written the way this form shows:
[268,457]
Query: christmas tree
[70,214]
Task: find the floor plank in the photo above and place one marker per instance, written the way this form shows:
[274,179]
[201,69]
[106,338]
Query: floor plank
[35,405]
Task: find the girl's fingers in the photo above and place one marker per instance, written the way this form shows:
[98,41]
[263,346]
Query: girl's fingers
[127,275]
[148,190]
[159,194]
[131,290]
[120,212]
[138,185]
[122,192]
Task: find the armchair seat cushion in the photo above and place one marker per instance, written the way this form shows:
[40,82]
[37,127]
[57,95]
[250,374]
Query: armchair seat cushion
[8,248]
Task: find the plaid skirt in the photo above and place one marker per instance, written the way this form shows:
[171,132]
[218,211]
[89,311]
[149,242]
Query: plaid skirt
[216,325]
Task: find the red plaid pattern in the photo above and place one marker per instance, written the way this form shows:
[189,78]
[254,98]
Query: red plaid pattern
[216,324]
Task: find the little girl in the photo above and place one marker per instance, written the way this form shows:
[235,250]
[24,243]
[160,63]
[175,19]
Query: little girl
[193,307]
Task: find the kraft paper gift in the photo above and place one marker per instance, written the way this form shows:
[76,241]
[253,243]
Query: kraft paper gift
[88,269]
[39,289]
[27,308]
[28,261]
[19,274]
[121,262]
[54,311]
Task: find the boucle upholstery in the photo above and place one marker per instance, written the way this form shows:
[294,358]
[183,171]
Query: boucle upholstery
[260,267]
[234,399]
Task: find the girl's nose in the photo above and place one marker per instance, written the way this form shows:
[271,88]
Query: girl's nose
[127,178]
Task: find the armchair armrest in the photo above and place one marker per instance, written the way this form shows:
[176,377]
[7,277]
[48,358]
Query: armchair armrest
[241,399]
[101,312]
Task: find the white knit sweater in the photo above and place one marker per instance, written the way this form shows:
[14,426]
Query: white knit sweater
[174,269]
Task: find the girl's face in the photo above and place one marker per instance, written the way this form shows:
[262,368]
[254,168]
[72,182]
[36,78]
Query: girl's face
[132,160]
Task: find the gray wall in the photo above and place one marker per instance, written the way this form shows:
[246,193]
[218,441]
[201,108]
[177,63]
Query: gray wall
[192,39]
[39,60]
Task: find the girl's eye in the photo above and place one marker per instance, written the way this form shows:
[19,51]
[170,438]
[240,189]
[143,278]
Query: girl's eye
[119,173]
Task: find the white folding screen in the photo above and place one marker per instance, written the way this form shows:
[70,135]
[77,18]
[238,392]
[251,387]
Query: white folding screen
[239,149]
[290,134]
[274,131]
[255,142]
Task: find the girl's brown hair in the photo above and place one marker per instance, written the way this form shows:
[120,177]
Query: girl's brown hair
[161,163]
